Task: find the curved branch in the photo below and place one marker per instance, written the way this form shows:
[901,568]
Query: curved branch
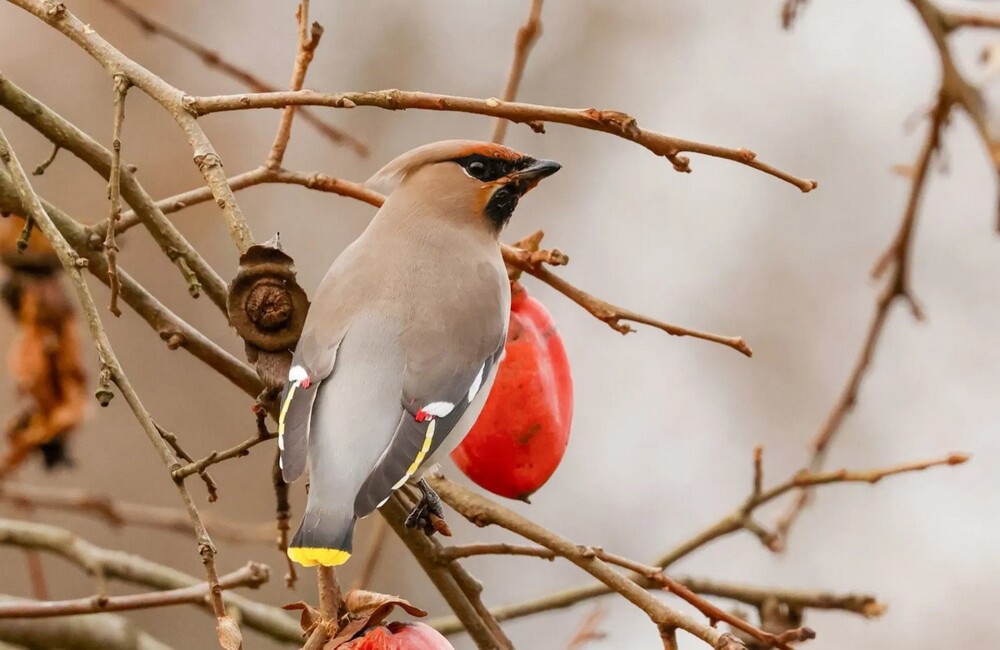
[173,330]
[104,631]
[606,121]
[139,571]
[252,575]
[67,136]
[213,59]
[206,158]
[483,513]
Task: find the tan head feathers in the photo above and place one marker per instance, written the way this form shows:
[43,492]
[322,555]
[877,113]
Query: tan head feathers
[389,177]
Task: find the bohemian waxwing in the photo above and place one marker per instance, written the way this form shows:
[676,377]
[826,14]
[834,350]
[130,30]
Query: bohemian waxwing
[403,338]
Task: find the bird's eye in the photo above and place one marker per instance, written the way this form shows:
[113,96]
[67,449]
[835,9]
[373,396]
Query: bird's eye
[477,168]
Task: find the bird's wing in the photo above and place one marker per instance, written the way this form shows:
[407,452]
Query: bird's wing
[438,386]
[313,362]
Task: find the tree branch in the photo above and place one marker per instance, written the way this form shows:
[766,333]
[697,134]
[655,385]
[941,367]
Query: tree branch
[109,362]
[308,42]
[114,193]
[526,37]
[67,136]
[424,550]
[133,569]
[174,331]
[897,287]
[104,631]
[610,122]
[122,513]
[114,62]
[737,520]
[216,61]
[483,513]
[252,575]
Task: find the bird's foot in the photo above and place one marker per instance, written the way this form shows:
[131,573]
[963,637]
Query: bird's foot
[428,514]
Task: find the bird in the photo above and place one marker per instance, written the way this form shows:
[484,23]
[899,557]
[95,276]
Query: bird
[402,340]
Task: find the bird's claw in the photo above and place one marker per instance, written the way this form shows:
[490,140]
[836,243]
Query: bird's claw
[428,514]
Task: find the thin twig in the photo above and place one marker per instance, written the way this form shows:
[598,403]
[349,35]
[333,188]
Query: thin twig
[606,121]
[615,316]
[308,42]
[175,444]
[114,192]
[713,613]
[733,522]
[526,37]
[71,264]
[68,136]
[589,629]
[897,287]
[122,513]
[483,513]
[309,180]
[213,59]
[205,157]
[253,575]
[236,451]
[137,570]
[45,164]
[170,327]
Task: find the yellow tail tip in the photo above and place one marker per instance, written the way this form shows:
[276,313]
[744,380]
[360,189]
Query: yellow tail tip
[313,556]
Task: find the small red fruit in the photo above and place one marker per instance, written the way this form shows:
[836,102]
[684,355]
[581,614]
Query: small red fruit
[522,433]
[399,636]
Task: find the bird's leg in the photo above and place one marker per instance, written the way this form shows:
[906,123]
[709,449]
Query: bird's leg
[428,514]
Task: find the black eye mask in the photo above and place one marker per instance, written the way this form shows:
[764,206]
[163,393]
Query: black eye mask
[487,169]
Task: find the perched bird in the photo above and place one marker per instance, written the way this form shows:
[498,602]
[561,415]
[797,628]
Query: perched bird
[402,341]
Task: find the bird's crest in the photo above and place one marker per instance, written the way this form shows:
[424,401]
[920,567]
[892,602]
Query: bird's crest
[389,177]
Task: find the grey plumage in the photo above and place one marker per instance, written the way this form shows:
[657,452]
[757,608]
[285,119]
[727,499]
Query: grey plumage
[400,346]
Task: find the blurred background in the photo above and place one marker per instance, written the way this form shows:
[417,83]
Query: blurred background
[664,427]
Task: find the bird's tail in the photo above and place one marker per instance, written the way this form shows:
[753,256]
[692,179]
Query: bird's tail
[323,537]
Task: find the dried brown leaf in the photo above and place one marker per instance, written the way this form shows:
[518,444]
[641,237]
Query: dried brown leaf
[309,616]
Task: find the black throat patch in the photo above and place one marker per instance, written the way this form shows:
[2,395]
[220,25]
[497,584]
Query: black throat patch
[487,169]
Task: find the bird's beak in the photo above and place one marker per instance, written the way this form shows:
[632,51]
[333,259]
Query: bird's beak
[527,178]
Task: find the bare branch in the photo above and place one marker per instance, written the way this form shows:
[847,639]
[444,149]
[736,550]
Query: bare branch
[424,550]
[526,37]
[104,631]
[611,122]
[252,575]
[64,134]
[261,175]
[483,513]
[308,42]
[71,263]
[208,161]
[613,315]
[727,525]
[237,451]
[122,513]
[44,165]
[114,193]
[897,287]
[216,61]
[140,571]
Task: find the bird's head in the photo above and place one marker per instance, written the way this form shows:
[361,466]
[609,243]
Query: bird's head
[464,179]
